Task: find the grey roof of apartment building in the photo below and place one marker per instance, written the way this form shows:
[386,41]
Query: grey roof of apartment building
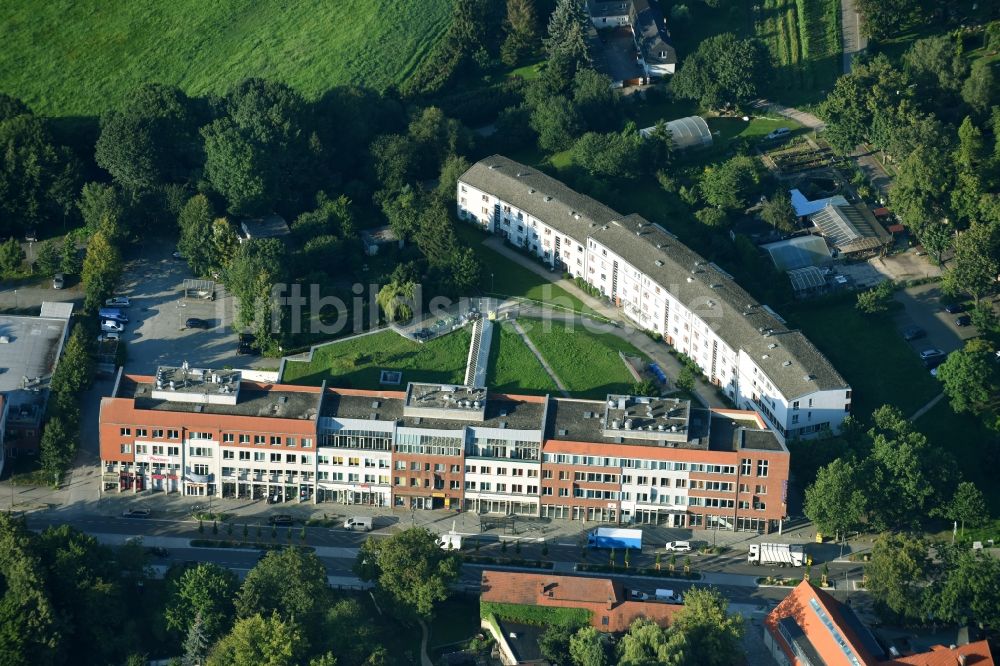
[512,413]
[582,421]
[789,360]
[730,434]
[271,403]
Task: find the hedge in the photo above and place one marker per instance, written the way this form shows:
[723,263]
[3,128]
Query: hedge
[536,615]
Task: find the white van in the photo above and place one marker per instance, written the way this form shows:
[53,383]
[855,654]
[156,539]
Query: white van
[358,523]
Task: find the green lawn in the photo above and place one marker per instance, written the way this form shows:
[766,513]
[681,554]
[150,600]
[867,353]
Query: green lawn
[870,354]
[501,276]
[78,57]
[586,362]
[356,363]
[513,368]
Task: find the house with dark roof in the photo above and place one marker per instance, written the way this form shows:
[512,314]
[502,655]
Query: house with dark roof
[656,54]
[742,346]
[811,628]
[607,601]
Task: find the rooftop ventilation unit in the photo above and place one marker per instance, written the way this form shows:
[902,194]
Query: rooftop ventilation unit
[714,285]
[375,404]
[494,166]
[690,279]
[548,198]
[766,356]
[521,174]
[283,399]
[563,432]
[658,262]
[772,345]
[786,364]
[199,409]
[809,377]
[531,190]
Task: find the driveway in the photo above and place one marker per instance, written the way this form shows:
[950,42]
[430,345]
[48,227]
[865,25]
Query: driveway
[156,334]
[906,266]
[852,41]
[923,307]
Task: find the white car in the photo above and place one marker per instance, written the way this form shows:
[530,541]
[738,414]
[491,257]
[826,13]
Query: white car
[780,132]
[110,326]
[118,302]
[110,336]
[678,547]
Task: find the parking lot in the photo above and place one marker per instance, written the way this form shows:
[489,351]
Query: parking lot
[156,333]
[923,307]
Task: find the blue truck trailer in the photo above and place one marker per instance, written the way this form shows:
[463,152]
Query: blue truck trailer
[615,537]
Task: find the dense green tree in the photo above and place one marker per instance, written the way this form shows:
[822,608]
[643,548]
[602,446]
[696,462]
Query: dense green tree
[974,268]
[587,647]
[69,262]
[936,62]
[102,266]
[436,236]
[724,71]
[645,644]
[204,592]
[30,629]
[76,367]
[57,448]
[409,569]
[452,168]
[224,242]
[922,186]
[902,481]
[885,18]
[256,640]
[556,123]
[394,160]
[196,643]
[37,175]
[731,184]
[465,271]
[849,110]
[979,89]
[967,506]
[875,300]
[778,212]
[236,168]
[402,209]
[397,300]
[11,257]
[896,573]
[971,151]
[712,217]
[936,239]
[330,217]
[984,318]
[289,583]
[970,592]
[47,259]
[567,31]
[195,222]
[521,28]
[708,629]
[98,203]
[255,267]
[149,138]
[836,501]
[435,137]
[613,155]
[554,644]
[969,377]
[350,633]
[595,101]
[82,581]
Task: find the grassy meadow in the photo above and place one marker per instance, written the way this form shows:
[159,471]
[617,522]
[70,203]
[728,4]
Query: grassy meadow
[78,57]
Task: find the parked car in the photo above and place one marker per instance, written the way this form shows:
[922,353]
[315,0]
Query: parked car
[31,236]
[109,326]
[136,513]
[928,354]
[280,519]
[58,281]
[118,302]
[964,320]
[913,333]
[194,322]
[778,133]
[954,308]
[678,546]
[110,336]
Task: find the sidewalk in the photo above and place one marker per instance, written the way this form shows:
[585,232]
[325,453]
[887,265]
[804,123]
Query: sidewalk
[656,351]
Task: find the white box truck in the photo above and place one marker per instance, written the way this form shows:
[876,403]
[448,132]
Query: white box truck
[615,537]
[781,554]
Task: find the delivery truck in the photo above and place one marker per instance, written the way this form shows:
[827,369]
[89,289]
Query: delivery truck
[615,537]
[781,554]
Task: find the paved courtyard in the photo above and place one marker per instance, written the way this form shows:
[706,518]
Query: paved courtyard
[156,334]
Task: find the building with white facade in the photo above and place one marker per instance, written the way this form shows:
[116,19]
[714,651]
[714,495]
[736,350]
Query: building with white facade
[742,346]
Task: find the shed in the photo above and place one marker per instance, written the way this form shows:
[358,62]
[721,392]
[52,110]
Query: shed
[807,281]
[271,226]
[804,207]
[848,229]
[371,239]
